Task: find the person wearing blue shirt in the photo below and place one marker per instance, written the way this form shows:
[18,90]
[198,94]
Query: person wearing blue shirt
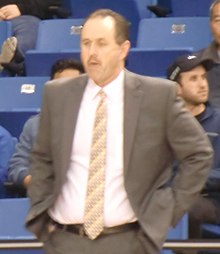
[190,72]
[6,150]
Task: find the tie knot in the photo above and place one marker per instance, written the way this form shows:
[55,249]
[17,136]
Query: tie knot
[102,94]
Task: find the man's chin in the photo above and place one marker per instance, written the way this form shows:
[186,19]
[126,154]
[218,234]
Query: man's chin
[94,74]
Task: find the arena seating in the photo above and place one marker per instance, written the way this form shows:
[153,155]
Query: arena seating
[38,63]
[12,230]
[177,233]
[192,33]
[211,231]
[58,34]
[20,98]
[190,8]
[5,28]
[128,8]
[140,60]
[5,32]
[152,62]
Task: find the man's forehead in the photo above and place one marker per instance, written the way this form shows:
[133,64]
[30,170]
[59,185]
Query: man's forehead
[98,28]
[108,22]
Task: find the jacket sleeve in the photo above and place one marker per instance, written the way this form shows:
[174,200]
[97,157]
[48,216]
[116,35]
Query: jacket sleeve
[38,8]
[194,154]
[213,182]
[6,151]
[20,162]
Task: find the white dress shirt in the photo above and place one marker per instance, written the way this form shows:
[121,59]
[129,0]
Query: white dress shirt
[69,207]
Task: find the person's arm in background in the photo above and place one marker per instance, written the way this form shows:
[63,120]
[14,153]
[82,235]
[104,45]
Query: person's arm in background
[37,8]
[20,162]
[213,181]
[6,150]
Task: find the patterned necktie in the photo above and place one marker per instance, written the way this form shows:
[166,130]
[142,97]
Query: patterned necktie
[93,219]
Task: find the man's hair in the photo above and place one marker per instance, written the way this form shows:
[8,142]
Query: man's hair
[63,64]
[212,7]
[121,24]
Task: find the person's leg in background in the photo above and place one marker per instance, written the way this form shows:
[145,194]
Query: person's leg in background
[204,210]
[24,36]
[25,29]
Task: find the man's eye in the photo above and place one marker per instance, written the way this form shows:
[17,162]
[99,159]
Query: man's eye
[216,20]
[102,44]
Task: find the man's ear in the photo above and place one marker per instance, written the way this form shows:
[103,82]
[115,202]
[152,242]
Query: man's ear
[125,47]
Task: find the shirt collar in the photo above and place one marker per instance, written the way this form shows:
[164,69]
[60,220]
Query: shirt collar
[113,90]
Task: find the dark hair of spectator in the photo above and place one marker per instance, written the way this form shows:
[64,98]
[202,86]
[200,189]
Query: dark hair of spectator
[63,64]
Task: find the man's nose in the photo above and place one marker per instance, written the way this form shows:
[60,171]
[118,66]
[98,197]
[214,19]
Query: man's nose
[203,83]
[93,49]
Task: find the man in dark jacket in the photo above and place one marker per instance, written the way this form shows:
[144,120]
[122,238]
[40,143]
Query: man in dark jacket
[213,53]
[25,16]
[190,73]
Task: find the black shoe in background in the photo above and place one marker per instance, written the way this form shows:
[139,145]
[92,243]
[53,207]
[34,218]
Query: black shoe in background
[159,11]
[14,69]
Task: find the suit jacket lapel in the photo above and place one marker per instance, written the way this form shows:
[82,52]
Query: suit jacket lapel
[72,100]
[133,96]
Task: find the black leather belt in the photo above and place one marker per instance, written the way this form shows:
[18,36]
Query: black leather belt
[79,228]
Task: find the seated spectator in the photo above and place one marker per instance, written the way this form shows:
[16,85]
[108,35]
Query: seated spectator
[19,164]
[212,52]
[6,150]
[25,17]
[189,71]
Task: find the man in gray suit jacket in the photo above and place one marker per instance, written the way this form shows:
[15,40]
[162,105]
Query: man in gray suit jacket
[147,128]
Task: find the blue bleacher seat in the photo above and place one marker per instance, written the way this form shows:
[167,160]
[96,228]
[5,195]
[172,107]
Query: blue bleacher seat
[20,98]
[5,28]
[57,35]
[152,62]
[5,32]
[12,218]
[180,232]
[174,32]
[67,4]
[141,61]
[211,231]
[190,8]
[44,59]
[12,228]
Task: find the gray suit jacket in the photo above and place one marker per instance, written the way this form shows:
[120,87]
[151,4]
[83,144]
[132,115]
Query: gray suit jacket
[157,129]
